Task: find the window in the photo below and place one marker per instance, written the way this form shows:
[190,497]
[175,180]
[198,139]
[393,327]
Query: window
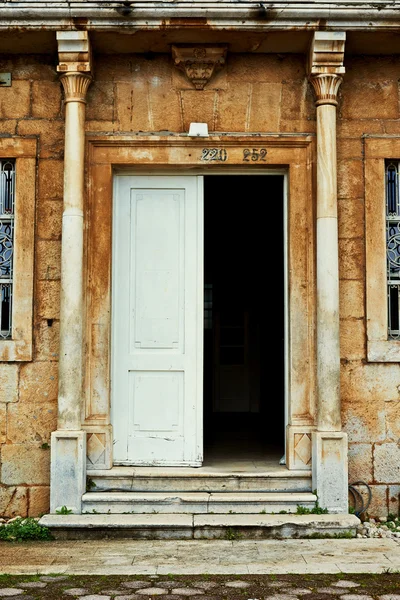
[393,247]
[382,247]
[17,226]
[7,188]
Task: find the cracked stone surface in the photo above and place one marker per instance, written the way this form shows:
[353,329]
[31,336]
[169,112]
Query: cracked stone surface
[187,591]
[136,585]
[237,584]
[8,592]
[153,591]
[76,592]
[344,583]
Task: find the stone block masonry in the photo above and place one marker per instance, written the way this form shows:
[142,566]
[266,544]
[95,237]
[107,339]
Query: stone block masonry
[253,93]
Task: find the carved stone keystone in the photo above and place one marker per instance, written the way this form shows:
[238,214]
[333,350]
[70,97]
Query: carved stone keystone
[200,62]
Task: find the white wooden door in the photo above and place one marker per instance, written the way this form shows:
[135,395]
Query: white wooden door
[157,320]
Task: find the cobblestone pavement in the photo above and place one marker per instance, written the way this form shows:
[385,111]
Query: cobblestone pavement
[384,586]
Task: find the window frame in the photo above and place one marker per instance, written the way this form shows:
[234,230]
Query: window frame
[23,150]
[378,149]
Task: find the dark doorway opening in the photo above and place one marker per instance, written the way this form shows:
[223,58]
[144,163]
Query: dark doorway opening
[244,317]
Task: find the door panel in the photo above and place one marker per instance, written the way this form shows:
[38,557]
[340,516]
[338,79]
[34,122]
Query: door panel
[157,320]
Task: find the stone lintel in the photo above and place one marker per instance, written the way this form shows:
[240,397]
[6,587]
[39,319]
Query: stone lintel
[74,52]
[199,62]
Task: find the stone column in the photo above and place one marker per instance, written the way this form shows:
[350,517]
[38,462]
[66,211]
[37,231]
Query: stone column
[329,456]
[68,444]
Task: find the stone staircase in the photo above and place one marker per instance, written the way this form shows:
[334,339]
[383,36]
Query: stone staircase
[202,503]
[143,490]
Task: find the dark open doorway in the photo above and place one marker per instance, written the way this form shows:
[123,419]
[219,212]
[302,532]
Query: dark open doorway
[244,316]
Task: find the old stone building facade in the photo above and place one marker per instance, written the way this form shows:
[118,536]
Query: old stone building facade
[97,101]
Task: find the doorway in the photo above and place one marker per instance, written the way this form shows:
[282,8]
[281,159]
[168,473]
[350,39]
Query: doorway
[244,316]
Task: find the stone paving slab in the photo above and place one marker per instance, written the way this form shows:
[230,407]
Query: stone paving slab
[198,557]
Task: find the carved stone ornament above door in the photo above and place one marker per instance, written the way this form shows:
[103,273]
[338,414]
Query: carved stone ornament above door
[199,62]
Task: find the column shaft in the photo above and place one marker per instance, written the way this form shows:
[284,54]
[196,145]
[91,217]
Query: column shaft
[328,348]
[70,362]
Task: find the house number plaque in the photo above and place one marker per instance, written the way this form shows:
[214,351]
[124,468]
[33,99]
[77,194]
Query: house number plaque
[221,155]
[254,155]
[212,154]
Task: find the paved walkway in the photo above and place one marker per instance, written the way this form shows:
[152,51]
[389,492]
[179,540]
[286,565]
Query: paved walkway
[126,557]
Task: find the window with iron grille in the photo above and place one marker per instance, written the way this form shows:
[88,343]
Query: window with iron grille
[7,214]
[393,247]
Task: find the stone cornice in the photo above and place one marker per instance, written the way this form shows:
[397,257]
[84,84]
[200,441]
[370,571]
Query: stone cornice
[111,15]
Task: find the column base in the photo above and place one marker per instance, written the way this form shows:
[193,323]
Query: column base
[299,447]
[330,470]
[68,470]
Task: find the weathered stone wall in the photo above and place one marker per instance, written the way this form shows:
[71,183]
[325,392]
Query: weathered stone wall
[132,93]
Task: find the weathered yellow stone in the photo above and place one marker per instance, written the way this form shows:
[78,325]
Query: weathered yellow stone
[199,112]
[164,108]
[13,501]
[352,339]
[38,382]
[233,108]
[351,258]
[51,135]
[48,257]
[49,219]
[48,299]
[349,128]
[24,464]
[132,106]
[350,179]
[31,422]
[46,99]
[51,179]
[366,384]
[8,126]
[3,423]
[363,425]
[265,105]
[265,68]
[39,500]
[360,463]
[351,217]
[47,340]
[370,99]
[392,410]
[297,101]
[100,101]
[8,382]
[351,299]
[15,101]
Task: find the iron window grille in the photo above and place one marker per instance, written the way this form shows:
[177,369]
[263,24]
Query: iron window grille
[7,216]
[393,248]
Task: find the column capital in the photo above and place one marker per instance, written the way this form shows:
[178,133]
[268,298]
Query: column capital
[75,86]
[325,65]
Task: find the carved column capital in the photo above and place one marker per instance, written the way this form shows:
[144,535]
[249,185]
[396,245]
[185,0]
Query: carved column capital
[325,65]
[75,86]
[199,62]
[326,87]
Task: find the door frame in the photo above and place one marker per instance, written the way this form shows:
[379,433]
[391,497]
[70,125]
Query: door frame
[137,155]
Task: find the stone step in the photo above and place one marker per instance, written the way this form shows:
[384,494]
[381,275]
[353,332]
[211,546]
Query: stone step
[195,502]
[183,479]
[224,526]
